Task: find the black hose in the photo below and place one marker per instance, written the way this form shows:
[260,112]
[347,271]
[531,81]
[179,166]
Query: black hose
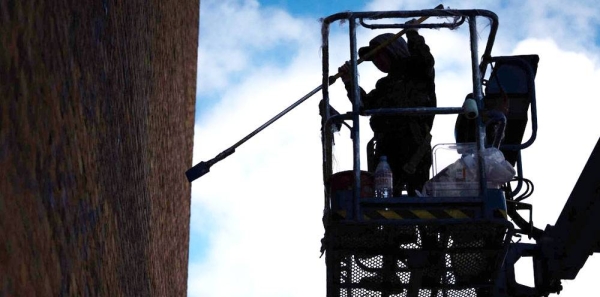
[529,229]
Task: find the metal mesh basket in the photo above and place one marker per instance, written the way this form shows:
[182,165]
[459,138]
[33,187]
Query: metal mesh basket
[414,260]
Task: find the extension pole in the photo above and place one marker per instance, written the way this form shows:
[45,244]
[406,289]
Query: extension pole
[203,167]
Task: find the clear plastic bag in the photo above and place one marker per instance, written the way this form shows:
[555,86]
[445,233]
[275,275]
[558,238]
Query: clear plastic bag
[461,177]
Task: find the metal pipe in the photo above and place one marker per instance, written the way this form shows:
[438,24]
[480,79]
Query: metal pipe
[202,168]
[414,111]
[355,119]
[374,15]
[478,96]
[450,26]
[326,134]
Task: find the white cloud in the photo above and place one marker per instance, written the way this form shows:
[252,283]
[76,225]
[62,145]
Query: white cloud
[232,31]
[263,204]
[567,121]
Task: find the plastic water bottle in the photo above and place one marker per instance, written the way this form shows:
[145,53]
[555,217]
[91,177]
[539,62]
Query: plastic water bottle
[383,179]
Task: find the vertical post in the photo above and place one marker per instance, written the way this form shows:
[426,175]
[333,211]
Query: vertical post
[326,134]
[478,96]
[327,140]
[355,119]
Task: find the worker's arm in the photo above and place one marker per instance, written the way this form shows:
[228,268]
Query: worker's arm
[420,63]
[344,71]
[375,98]
[420,70]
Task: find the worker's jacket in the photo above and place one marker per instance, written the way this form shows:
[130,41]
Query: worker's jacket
[410,83]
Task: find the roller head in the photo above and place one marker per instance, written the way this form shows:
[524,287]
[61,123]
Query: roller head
[197,171]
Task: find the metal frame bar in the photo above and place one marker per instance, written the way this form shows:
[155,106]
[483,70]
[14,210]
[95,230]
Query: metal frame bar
[477,75]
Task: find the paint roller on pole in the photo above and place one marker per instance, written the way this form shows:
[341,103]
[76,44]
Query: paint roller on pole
[203,167]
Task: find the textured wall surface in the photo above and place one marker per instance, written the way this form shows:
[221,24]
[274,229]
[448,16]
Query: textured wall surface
[96,132]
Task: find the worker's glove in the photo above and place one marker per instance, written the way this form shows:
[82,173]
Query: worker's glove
[412,22]
[344,71]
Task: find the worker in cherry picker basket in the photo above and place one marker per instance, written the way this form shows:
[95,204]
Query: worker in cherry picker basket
[404,139]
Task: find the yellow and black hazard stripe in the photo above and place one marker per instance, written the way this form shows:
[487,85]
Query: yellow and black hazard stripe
[412,214]
[500,213]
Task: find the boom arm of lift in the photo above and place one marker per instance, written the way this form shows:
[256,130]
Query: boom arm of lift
[563,249]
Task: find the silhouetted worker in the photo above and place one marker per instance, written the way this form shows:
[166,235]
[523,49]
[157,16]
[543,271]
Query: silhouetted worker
[404,139]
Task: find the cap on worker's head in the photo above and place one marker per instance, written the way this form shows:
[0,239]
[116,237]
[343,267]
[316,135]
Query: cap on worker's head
[397,48]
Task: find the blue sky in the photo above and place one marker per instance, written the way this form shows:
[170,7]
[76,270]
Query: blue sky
[314,8]
[277,53]
[256,217]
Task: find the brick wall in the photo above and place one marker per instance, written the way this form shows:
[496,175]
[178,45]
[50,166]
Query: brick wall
[96,132]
